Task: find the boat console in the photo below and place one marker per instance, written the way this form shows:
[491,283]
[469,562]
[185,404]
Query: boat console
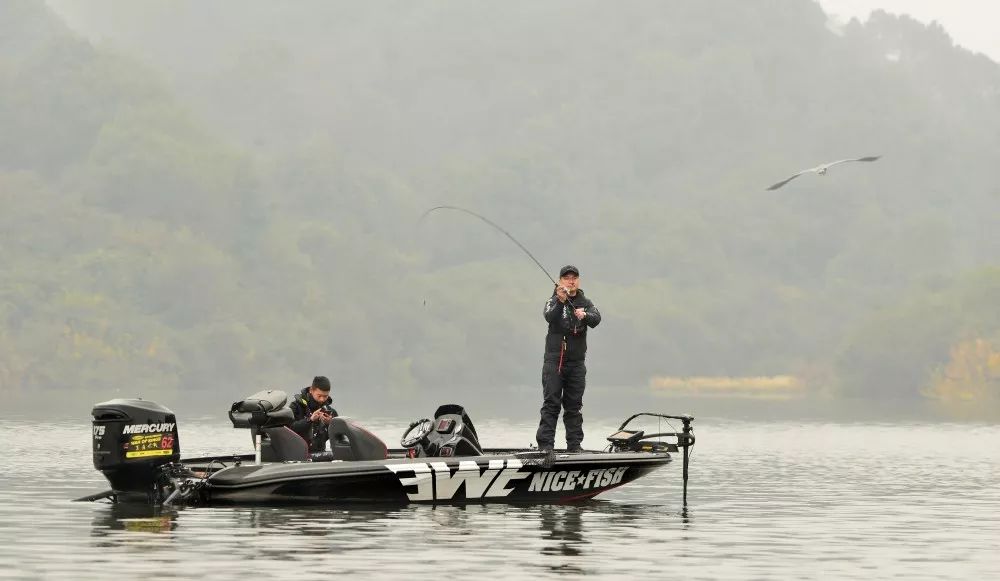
[450,434]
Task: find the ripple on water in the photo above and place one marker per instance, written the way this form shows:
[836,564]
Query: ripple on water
[785,500]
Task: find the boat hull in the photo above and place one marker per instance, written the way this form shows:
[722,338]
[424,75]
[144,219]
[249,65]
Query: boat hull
[509,478]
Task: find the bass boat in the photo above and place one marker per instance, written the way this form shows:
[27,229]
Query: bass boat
[136,446]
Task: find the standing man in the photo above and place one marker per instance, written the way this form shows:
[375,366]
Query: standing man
[313,413]
[564,375]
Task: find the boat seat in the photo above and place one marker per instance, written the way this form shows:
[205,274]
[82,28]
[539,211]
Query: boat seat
[350,441]
[283,445]
[264,409]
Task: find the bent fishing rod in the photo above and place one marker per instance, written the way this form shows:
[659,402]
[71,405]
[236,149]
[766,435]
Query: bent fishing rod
[505,233]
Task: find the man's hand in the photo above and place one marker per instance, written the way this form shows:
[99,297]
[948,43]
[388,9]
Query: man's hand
[561,294]
[320,415]
[580,314]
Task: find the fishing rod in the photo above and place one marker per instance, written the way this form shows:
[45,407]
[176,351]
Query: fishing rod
[505,233]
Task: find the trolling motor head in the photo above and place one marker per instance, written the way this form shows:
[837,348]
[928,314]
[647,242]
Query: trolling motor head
[133,439]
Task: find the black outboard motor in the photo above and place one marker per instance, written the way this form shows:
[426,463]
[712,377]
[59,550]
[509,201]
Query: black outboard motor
[133,438]
[450,434]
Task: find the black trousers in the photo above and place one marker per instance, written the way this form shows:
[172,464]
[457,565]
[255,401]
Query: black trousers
[562,389]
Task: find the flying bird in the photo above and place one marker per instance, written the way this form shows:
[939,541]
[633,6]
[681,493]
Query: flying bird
[821,169]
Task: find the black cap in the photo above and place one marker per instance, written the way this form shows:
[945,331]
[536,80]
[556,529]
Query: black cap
[321,382]
[568,269]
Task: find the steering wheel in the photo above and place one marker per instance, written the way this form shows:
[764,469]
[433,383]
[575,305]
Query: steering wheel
[417,431]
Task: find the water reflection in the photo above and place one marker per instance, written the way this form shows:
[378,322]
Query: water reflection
[562,533]
[124,524]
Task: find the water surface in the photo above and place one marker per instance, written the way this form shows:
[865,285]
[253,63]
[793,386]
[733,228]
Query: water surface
[777,500]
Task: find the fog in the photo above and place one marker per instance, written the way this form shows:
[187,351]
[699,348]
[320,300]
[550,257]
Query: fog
[201,200]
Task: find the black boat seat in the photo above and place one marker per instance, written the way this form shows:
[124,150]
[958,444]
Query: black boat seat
[264,409]
[350,441]
[283,445]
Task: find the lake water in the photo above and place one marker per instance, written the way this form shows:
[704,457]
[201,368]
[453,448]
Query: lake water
[777,500]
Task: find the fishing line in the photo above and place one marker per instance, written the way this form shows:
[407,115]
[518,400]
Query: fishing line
[498,227]
[502,231]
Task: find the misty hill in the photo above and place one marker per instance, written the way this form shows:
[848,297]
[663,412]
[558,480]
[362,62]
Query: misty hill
[238,208]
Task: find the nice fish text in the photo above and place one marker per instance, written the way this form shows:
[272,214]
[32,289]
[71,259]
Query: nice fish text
[435,481]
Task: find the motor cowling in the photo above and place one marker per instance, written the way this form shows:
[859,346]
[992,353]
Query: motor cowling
[133,438]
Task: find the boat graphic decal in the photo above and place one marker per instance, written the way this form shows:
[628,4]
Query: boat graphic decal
[436,481]
[146,445]
[576,479]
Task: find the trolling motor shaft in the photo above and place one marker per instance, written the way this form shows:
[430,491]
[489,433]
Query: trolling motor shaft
[633,440]
[685,440]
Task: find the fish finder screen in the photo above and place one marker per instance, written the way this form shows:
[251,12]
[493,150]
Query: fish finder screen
[622,435]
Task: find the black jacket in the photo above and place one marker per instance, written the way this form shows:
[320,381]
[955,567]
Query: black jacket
[315,433]
[564,327]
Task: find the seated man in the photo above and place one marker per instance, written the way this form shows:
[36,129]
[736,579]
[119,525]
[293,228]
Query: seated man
[313,412]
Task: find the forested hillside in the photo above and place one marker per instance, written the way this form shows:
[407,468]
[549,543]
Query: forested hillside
[214,198]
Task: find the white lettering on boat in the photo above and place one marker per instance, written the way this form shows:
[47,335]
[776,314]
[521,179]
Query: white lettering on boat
[574,480]
[422,479]
[437,481]
[147,428]
[476,482]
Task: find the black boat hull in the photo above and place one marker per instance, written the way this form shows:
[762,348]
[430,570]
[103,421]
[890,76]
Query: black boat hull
[507,478]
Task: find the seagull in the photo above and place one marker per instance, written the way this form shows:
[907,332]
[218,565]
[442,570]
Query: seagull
[821,169]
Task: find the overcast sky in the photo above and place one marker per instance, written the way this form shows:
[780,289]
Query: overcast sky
[972,24]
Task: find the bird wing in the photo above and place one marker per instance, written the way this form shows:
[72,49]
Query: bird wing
[839,161]
[786,180]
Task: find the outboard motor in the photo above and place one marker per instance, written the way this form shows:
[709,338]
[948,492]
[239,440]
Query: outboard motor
[133,438]
[450,434]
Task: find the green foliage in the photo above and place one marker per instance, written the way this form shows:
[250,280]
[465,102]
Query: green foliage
[241,211]
[901,345]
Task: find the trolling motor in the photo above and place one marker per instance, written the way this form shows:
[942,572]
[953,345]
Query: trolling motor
[637,441]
